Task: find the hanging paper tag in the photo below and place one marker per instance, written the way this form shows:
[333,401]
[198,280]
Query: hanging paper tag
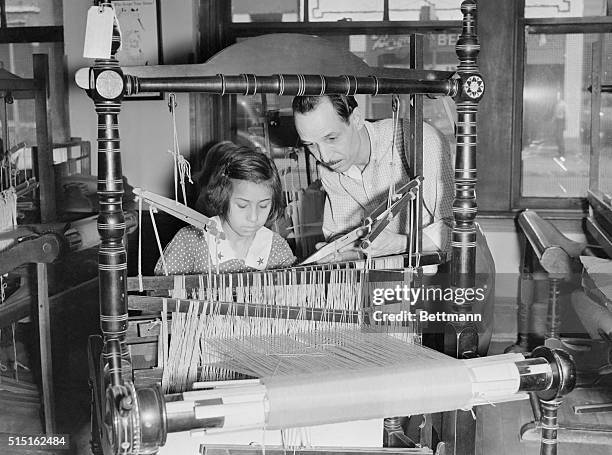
[99,32]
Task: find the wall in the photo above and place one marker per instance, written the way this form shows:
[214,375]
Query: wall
[145,126]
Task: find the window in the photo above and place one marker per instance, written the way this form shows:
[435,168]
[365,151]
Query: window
[39,32]
[605,137]
[556,115]
[564,8]
[601,125]
[272,11]
[32,13]
[17,59]
[555,140]
[344,10]
[425,10]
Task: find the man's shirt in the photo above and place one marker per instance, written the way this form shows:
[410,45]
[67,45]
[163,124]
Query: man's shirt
[350,198]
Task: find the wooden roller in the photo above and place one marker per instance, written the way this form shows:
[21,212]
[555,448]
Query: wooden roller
[553,249]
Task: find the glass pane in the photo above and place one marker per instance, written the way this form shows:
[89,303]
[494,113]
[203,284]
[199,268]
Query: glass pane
[353,10]
[425,10]
[376,51]
[399,10]
[30,13]
[556,115]
[605,137]
[268,11]
[357,10]
[604,182]
[393,51]
[564,8]
[17,59]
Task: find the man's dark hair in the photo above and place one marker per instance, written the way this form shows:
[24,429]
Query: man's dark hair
[227,161]
[342,104]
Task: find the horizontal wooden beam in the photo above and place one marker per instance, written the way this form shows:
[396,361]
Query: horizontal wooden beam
[344,27]
[43,34]
[569,25]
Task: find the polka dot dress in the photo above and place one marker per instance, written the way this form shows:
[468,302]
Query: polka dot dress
[188,253]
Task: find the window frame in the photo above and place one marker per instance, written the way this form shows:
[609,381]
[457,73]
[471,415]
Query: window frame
[250,29]
[562,26]
[305,14]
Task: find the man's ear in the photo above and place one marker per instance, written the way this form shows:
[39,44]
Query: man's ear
[356,118]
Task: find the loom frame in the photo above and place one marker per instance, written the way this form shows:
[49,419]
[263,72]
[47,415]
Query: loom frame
[36,88]
[108,85]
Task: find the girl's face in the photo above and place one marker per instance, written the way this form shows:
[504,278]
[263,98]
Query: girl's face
[249,207]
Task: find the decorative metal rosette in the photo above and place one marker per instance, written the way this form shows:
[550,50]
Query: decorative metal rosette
[474,87]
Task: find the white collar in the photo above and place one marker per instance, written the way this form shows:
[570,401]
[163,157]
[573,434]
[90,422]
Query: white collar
[257,256]
[354,173]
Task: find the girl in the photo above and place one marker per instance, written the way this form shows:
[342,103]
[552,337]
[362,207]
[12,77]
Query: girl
[241,191]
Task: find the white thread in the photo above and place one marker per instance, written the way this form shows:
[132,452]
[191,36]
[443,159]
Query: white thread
[182,167]
[140,284]
[161,251]
[395,103]
[8,214]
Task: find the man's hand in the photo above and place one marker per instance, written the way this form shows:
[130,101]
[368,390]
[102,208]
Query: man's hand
[348,253]
[387,243]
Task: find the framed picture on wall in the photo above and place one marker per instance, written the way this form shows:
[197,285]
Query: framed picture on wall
[140,24]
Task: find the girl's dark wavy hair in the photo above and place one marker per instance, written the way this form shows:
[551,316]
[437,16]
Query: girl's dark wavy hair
[226,161]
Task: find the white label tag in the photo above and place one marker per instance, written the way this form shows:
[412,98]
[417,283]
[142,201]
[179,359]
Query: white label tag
[99,32]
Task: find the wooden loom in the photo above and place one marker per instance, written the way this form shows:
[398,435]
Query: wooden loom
[132,420]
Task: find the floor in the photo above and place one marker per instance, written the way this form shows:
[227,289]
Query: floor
[500,425]
[75,317]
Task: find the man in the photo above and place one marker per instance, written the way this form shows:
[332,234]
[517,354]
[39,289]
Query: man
[559,125]
[358,166]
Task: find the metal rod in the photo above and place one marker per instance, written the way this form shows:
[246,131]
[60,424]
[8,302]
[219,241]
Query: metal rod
[554,318]
[550,427]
